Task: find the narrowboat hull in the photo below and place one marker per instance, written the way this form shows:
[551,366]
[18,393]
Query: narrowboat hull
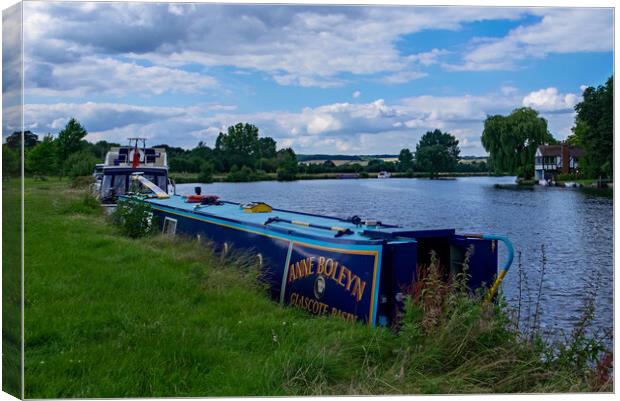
[328,266]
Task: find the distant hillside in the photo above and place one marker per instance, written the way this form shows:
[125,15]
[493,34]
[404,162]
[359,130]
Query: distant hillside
[302,158]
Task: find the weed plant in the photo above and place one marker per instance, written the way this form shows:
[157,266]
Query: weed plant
[134,218]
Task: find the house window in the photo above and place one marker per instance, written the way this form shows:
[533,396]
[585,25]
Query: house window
[170,226]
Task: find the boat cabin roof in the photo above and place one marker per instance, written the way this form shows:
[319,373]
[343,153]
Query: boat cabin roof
[150,157]
[306,224]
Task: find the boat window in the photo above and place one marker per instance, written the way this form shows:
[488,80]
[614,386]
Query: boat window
[162,182]
[170,226]
[119,184]
[106,187]
[159,180]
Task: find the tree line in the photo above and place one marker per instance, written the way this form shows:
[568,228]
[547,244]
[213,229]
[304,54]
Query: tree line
[67,154]
[512,140]
[240,154]
[243,155]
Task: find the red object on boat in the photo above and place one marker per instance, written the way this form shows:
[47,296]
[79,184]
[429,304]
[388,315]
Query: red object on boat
[203,199]
[135,162]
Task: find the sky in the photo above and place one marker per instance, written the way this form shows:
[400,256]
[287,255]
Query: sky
[322,79]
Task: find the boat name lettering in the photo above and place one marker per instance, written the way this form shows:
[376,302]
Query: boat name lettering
[319,308]
[328,268]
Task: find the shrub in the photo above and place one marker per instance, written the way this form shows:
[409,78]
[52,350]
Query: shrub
[287,171]
[80,164]
[446,328]
[82,181]
[10,161]
[88,204]
[206,173]
[567,177]
[134,218]
[244,174]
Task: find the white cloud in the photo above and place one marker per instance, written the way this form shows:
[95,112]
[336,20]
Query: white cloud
[508,90]
[296,45]
[561,30]
[550,100]
[345,127]
[403,77]
[428,58]
[356,94]
[113,77]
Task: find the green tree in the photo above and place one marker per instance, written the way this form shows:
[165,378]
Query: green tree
[266,148]
[437,151]
[376,165]
[268,165]
[14,140]
[10,162]
[594,129]
[433,159]
[243,174]
[329,165]
[436,137]
[69,141]
[80,164]
[287,165]
[43,158]
[512,141]
[206,173]
[101,148]
[405,160]
[202,151]
[239,146]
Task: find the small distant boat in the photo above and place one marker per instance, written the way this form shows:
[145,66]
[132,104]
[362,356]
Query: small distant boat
[384,174]
[113,177]
[357,269]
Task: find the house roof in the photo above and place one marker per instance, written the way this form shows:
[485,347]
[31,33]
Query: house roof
[556,150]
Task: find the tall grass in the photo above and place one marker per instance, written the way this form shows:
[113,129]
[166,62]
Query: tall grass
[111,316]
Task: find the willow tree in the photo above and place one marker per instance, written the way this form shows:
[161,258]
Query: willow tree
[512,141]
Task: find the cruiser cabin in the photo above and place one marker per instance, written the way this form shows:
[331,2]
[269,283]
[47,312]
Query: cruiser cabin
[121,162]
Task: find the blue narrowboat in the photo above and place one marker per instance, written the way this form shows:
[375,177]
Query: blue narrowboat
[355,269]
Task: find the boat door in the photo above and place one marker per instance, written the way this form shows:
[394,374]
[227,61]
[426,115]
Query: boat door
[482,254]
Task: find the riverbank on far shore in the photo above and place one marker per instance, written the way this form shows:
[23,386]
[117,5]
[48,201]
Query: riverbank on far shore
[186,178]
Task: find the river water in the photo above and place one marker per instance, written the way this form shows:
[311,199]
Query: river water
[575,229]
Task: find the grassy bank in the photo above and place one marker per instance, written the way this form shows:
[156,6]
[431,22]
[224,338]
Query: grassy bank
[108,316]
[11,287]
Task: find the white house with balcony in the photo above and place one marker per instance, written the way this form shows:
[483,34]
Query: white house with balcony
[551,160]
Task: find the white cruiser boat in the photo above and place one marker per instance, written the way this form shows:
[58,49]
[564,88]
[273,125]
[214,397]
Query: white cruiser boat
[114,176]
